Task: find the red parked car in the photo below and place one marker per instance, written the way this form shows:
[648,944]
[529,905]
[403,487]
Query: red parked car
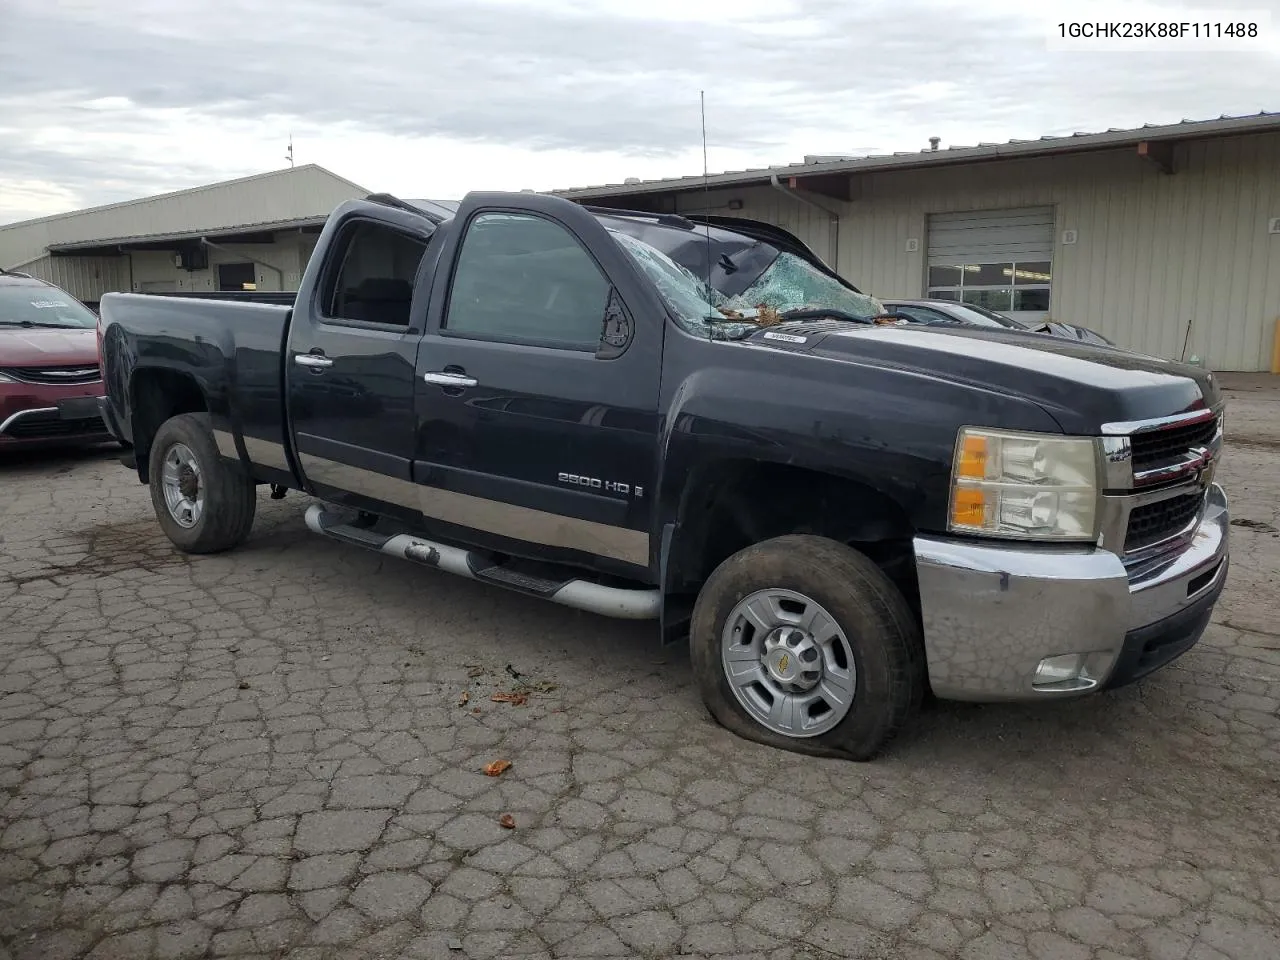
[49,374]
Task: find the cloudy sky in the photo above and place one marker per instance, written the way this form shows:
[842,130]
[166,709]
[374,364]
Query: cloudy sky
[104,100]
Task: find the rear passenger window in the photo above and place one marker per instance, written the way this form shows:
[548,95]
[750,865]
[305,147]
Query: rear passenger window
[524,279]
[373,282]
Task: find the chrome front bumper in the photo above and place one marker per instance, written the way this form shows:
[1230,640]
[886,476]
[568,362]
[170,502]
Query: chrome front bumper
[991,613]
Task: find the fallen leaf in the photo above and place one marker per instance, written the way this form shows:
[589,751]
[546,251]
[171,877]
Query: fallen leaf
[515,699]
[464,699]
[767,316]
[474,670]
[507,821]
[497,768]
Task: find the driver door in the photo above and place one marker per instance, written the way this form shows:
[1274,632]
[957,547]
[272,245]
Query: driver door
[538,382]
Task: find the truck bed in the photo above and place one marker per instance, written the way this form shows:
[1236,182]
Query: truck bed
[231,345]
[279,297]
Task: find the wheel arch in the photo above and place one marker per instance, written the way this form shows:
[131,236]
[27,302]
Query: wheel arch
[731,503]
[155,395]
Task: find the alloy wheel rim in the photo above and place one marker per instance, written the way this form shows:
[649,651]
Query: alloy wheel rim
[788,662]
[183,485]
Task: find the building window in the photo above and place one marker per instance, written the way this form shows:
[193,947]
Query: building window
[1019,286]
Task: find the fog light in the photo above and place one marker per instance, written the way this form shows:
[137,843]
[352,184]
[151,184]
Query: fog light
[1054,670]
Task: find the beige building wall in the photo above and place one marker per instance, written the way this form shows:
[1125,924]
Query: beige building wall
[279,266]
[294,194]
[1159,260]
[85,278]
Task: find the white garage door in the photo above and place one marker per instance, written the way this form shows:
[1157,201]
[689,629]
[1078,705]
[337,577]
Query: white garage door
[998,259]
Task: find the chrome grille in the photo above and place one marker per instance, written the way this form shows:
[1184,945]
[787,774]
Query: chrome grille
[1151,447]
[1154,522]
[68,373]
[1156,474]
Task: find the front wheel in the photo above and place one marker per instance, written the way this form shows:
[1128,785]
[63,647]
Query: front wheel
[205,504]
[803,643]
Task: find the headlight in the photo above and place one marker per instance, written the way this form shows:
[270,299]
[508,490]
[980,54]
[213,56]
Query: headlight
[1029,486]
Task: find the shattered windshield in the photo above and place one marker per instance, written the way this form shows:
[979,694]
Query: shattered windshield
[789,284]
[792,284]
[689,298]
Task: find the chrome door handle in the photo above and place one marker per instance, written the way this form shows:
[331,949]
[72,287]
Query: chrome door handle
[444,379]
[312,360]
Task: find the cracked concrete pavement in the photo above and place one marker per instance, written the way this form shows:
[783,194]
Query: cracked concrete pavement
[265,754]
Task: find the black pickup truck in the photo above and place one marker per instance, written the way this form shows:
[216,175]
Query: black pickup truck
[644,417]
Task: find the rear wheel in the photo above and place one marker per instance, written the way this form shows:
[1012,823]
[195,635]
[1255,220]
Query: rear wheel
[205,504]
[803,643]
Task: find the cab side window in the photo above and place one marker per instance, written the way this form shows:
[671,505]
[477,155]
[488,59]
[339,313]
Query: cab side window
[521,278]
[373,280]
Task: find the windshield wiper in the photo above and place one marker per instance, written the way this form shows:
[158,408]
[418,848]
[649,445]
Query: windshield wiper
[29,324]
[823,313]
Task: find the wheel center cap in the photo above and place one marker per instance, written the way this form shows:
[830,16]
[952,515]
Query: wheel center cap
[792,659]
[782,664]
[188,485]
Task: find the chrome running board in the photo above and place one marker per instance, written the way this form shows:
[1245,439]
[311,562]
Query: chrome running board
[619,602]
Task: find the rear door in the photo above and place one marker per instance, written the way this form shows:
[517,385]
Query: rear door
[350,362]
[537,389]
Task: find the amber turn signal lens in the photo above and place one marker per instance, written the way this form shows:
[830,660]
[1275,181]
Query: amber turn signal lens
[968,508]
[972,464]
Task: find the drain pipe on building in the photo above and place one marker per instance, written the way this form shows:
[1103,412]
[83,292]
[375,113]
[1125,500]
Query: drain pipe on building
[231,253]
[834,242]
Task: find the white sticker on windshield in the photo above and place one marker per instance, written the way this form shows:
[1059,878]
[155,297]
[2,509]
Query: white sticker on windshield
[787,337]
[47,304]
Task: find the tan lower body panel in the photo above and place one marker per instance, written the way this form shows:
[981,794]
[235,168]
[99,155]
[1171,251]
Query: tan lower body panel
[262,453]
[491,516]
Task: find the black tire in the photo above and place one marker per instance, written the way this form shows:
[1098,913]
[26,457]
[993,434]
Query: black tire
[876,620]
[230,495]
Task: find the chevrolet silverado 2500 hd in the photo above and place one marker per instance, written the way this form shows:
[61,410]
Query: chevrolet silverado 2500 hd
[643,417]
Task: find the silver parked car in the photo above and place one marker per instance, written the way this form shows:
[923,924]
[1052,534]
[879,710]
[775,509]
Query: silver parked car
[950,312]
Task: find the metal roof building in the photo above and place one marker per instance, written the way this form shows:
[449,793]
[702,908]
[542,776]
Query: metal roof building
[1164,238]
[257,230]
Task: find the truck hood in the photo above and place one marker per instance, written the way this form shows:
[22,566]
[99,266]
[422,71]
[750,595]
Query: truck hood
[1081,385]
[41,346]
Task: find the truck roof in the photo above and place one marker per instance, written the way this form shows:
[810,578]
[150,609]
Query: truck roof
[732,251]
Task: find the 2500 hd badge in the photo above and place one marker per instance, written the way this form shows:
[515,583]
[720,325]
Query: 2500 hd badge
[595,483]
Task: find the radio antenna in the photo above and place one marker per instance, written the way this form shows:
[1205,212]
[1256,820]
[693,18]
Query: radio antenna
[706,203]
